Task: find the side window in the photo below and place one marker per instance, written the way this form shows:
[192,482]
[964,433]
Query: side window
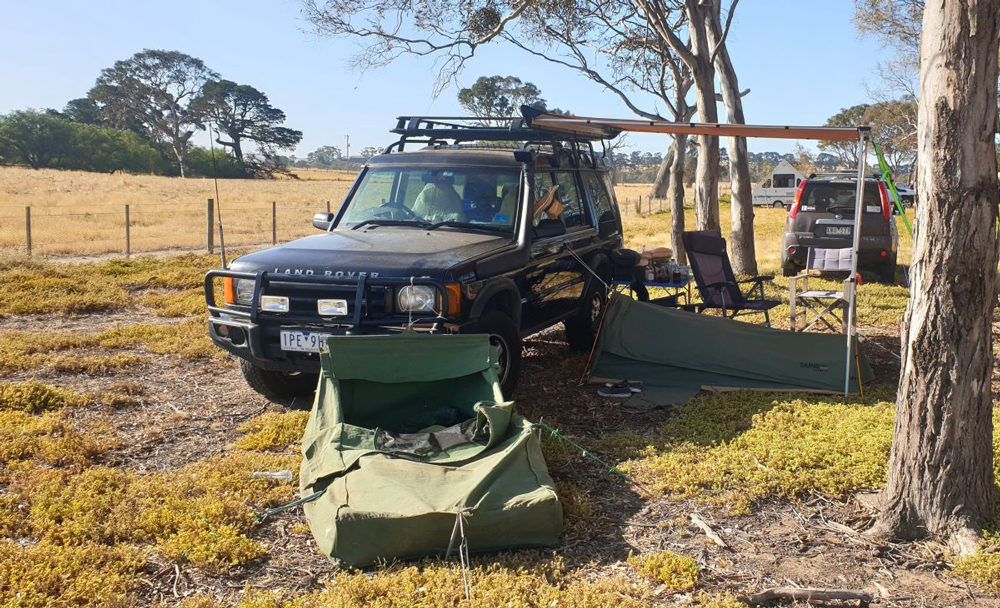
[599,194]
[569,196]
[543,183]
[784,181]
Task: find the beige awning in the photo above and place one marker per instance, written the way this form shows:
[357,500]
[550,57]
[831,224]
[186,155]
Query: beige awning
[612,127]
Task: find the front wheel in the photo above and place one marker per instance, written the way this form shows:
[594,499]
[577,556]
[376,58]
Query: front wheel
[279,387]
[505,338]
[777,204]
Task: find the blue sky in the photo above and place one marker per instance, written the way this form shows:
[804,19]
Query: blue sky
[802,60]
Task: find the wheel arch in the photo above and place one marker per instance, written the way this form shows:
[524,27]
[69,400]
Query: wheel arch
[499,294]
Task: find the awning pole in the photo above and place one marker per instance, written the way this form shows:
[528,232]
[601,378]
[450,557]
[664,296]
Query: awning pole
[858,211]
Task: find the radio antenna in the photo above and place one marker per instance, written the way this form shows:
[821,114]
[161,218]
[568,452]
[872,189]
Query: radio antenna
[218,203]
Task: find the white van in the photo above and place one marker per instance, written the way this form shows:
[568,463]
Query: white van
[778,190]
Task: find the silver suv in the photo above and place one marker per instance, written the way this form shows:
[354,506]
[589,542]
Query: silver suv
[822,215]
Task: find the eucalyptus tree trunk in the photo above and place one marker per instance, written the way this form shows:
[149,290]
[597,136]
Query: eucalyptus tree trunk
[707,173]
[741,242]
[675,196]
[941,463]
[661,183]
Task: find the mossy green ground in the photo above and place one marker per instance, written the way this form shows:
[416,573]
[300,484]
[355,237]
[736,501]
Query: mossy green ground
[39,287]
[77,531]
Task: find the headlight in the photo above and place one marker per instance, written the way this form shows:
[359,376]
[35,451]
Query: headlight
[416,298]
[244,291]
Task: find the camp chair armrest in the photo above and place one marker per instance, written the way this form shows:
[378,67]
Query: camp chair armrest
[760,279]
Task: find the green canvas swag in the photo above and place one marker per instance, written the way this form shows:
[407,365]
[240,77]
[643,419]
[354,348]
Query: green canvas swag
[676,354]
[409,430]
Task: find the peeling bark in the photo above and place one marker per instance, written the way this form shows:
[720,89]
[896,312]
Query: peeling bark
[675,196]
[741,243]
[707,172]
[941,465]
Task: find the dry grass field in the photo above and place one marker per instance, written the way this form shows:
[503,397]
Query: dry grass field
[75,213]
[79,213]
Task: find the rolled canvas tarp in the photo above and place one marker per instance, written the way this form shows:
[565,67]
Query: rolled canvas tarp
[408,431]
[675,354]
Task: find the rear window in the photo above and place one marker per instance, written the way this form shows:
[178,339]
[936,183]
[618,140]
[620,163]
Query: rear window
[838,197]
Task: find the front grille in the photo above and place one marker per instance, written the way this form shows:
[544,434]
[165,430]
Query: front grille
[303,297]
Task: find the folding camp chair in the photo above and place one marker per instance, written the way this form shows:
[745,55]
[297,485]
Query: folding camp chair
[717,284]
[817,304]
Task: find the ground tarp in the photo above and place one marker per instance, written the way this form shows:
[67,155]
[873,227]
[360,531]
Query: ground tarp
[407,431]
[675,354]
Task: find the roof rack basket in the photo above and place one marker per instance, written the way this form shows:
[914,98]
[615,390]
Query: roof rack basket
[457,129]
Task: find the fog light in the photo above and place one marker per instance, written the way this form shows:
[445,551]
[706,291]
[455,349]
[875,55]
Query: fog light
[237,336]
[274,303]
[222,330]
[791,250]
[332,307]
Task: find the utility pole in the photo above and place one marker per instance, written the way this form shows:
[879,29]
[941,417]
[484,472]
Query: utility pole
[347,154]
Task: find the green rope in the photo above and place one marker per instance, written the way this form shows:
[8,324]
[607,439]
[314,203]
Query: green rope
[887,178]
[261,516]
[608,468]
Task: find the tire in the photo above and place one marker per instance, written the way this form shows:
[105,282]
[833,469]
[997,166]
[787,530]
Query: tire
[887,274]
[777,204]
[581,330]
[504,336]
[279,387]
[789,271]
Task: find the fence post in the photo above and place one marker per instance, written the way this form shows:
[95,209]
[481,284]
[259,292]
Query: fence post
[128,233]
[274,222]
[27,227]
[209,233]
[328,206]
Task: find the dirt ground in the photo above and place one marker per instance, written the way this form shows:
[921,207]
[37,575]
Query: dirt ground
[191,410]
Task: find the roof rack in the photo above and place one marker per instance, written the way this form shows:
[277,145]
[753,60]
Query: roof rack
[433,129]
[842,174]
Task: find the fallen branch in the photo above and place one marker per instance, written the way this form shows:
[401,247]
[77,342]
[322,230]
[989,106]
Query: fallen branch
[709,532]
[808,595]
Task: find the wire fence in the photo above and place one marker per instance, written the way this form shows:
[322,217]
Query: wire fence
[127,228]
[53,230]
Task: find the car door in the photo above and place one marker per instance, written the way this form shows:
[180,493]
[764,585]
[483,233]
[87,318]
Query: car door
[553,285]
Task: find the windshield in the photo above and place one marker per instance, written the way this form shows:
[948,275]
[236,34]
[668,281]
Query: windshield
[462,197]
[839,197]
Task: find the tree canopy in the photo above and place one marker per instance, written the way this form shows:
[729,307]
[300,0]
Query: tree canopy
[155,92]
[499,96]
[894,128]
[43,140]
[241,112]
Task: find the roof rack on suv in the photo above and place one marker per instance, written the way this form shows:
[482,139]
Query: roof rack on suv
[842,175]
[473,129]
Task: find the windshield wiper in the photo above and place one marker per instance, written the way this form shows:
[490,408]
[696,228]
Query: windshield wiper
[457,224]
[384,222]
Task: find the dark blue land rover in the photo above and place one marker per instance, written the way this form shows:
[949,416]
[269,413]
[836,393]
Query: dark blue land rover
[480,230]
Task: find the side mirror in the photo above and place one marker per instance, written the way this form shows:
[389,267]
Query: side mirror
[549,228]
[323,221]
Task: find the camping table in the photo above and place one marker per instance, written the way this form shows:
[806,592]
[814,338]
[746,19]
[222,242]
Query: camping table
[682,287]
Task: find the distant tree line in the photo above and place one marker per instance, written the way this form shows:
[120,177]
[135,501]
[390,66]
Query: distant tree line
[641,167]
[140,117]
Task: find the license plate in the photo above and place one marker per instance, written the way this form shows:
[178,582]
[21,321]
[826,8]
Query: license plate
[838,231]
[303,341]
